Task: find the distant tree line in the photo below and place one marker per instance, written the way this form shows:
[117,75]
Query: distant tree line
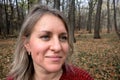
[91,15]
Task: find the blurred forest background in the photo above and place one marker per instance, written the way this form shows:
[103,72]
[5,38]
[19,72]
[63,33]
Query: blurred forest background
[95,31]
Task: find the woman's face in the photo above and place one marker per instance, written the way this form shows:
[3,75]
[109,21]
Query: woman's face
[48,44]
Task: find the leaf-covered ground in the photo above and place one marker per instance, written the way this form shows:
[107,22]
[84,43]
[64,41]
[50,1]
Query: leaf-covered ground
[6,54]
[100,57]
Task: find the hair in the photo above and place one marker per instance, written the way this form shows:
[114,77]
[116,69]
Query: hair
[22,67]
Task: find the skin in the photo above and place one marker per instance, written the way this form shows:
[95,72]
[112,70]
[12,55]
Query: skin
[49,47]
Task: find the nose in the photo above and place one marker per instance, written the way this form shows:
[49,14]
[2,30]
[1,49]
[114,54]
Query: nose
[56,45]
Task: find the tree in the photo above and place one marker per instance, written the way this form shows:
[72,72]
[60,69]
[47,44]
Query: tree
[115,22]
[11,16]
[97,20]
[90,13]
[89,21]
[78,21]
[57,4]
[71,17]
[108,18]
[63,6]
[1,20]
[18,16]
[6,26]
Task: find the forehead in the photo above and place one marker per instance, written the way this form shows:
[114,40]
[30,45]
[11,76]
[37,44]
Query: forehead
[48,21]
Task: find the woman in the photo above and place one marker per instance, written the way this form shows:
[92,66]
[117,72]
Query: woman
[42,48]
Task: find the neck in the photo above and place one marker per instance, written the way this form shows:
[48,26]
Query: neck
[40,75]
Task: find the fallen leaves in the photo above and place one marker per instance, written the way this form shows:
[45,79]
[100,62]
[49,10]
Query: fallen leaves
[6,52]
[100,57]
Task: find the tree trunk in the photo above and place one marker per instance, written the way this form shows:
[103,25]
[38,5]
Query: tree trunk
[18,16]
[97,20]
[71,16]
[89,21]
[108,18]
[1,20]
[79,15]
[63,5]
[28,5]
[57,4]
[115,22]
[11,17]
[7,24]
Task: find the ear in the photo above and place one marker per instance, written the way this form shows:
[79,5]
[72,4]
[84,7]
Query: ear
[26,44]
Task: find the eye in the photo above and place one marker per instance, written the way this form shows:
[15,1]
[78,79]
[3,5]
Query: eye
[45,37]
[63,38]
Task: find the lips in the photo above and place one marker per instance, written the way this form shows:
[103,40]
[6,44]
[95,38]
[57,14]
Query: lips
[54,58]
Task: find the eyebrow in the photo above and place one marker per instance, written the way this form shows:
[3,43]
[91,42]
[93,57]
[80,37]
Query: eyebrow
[49,32]
[64,33]
[46,31]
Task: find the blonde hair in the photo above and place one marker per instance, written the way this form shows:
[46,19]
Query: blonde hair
[22,67]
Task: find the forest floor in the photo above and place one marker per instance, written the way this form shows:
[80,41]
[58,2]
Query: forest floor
[100,57]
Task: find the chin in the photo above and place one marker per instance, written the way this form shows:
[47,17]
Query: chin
[54,68]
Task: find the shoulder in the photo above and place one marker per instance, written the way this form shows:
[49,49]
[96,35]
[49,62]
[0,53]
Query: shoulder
[75,73]
[80,73]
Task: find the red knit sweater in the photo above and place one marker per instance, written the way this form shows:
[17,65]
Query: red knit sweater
[71,73]
[74,73]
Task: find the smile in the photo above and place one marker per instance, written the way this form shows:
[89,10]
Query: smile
[54,58]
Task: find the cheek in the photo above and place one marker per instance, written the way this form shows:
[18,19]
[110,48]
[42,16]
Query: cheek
[37,48]
[37,52]
[66,48]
